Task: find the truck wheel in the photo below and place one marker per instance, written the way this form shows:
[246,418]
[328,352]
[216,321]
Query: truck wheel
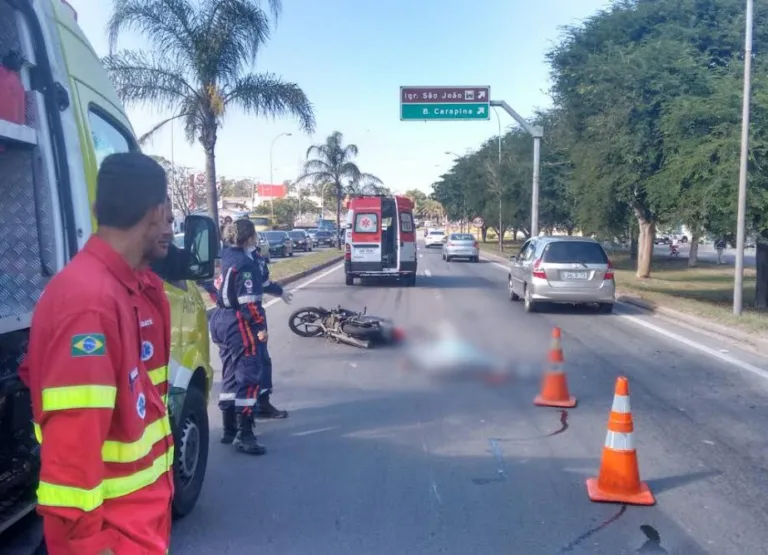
[191,438]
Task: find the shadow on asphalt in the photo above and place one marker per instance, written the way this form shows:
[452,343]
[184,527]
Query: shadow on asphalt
[312,493]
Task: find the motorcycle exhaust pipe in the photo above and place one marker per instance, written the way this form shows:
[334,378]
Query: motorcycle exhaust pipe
[351,340]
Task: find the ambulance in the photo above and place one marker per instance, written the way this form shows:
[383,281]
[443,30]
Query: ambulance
[59,118]
[380,239]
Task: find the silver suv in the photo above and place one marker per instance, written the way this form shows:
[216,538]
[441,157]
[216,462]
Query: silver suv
[567,270]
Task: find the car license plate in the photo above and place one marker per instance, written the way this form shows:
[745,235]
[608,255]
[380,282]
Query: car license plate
[364,251]
[575,275]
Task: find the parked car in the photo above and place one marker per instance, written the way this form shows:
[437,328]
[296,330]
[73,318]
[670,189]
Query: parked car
[280,243]
[301,240]
[461,245]
[662,240]
[434,238]
[313,234]
[325,238]
[567,270]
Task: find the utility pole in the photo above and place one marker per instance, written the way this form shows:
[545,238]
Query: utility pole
[741,225]
[537,133]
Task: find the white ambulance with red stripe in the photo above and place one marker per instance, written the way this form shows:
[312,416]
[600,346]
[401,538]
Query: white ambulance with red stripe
[380,239]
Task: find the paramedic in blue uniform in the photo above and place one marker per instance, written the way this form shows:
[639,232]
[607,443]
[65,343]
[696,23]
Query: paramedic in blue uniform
[239,328]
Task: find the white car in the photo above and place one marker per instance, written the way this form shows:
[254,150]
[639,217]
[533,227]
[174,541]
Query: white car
[434,238]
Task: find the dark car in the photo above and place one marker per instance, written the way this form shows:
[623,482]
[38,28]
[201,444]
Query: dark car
[324,237]
[301,240]
[280,243]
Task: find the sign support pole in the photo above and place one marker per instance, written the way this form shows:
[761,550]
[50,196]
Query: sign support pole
[537,132]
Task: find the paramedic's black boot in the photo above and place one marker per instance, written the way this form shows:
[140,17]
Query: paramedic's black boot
[229,423]
[245,441]
[264,409]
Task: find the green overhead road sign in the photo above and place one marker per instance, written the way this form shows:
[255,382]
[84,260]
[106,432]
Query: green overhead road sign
[443,111]
[445,103]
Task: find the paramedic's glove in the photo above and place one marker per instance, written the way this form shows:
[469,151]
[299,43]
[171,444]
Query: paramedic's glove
[263,336]
[287,297]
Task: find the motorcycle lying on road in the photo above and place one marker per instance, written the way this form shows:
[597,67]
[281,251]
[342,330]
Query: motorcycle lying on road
[343,326]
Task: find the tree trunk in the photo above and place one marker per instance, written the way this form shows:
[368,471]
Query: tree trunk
[693,254]
[761,283]
[210,178]
[514,234]
[501,227]
[569,229]
[632,244]
[647,226]
[338,215]
[484,233]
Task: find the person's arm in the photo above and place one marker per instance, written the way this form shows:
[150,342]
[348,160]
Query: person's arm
[268,286]
[75,370]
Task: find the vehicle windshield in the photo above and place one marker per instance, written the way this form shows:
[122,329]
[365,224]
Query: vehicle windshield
[564,252]
[260,221]
[275,235]
[323,233]
[296,234]
[462,237]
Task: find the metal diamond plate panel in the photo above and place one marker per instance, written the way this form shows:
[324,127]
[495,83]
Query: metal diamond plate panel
[9,34]
[21,274]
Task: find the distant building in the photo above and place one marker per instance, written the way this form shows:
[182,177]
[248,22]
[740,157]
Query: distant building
[266,192]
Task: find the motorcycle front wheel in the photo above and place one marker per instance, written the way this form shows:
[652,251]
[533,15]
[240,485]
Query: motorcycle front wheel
[305,321]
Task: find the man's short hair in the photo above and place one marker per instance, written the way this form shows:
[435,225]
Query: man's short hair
[129,185]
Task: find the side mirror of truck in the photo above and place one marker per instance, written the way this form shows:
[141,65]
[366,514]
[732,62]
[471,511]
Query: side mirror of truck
[201,241]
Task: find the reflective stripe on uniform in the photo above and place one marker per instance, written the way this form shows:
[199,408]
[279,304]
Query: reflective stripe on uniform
[55,495]
[247,299]
[225,289]
[245,402]
[128,452]
[226,396]
[158,375]
[267,283]
[79,397]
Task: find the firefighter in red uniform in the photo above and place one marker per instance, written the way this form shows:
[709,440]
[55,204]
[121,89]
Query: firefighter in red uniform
[106,446]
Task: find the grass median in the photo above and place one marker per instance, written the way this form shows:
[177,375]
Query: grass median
[705,291]
[289,267]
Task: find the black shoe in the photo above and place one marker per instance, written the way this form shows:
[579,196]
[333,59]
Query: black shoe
[245,441]
[264,409]
[229,423]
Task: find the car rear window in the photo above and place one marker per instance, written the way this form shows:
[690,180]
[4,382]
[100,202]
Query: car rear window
[462,237]
[564,252]
[296,234]
[275,235]
[436,233]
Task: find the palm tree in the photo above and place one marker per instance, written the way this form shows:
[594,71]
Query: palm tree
[197,67]
[333,164]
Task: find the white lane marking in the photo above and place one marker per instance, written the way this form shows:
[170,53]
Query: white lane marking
[427,273]
[308,282]
[310,432]
[699,347]
[437,493]
[718,354]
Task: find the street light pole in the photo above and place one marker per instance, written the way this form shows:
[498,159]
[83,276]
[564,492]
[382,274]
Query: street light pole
[741,225]
[271,177]
[537,133]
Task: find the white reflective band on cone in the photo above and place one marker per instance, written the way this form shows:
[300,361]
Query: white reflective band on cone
[621,404]
[619,441]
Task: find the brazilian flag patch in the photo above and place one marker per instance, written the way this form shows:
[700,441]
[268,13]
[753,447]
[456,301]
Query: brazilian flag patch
[247,275]
[88,345]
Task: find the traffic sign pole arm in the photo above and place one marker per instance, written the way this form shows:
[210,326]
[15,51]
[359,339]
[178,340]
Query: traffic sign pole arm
[537,133]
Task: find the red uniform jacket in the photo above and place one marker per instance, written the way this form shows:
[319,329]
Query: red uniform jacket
[106,443]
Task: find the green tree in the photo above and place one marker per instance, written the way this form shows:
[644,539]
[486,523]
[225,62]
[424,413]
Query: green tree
[333,163]
[287,210]
[196,66]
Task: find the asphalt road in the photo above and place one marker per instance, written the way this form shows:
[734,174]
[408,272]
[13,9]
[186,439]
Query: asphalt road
[376,461]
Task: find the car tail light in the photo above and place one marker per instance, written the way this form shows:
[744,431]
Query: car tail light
[347,252]
[608,272]
[537,271]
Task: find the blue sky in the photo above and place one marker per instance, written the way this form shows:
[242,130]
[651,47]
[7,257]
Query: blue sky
[351,57]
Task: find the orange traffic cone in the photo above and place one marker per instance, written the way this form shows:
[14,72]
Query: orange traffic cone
[619,478]
[554,386]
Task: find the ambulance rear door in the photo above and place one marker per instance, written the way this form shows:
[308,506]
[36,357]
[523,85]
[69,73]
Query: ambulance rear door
[407,236]
[365,234]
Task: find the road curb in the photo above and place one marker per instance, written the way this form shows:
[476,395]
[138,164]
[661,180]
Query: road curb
[757,343]
[313,270]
